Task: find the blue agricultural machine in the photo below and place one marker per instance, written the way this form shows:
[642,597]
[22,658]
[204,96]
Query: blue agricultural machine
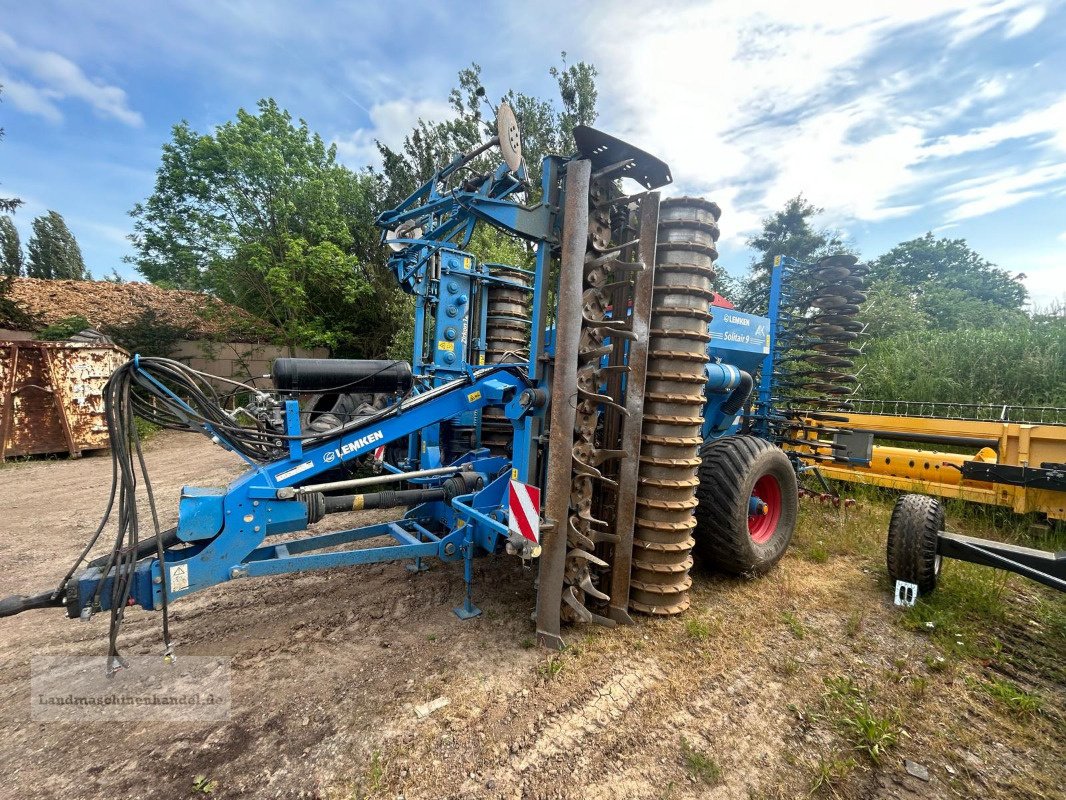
[596,411]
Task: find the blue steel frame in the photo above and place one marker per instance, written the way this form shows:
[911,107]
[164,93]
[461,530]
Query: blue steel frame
[224,532]
[783,265]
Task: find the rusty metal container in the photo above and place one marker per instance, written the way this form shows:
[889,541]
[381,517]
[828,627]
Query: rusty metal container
[51,396]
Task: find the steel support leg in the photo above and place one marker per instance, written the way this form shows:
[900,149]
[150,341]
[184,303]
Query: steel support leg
[468,610]
[563,403]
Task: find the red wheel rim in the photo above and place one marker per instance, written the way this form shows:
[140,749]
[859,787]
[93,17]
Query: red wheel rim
[761,527]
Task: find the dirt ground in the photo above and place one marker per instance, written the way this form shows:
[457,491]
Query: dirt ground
[806,682]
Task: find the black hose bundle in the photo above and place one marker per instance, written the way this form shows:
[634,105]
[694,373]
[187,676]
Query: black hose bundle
[170,395]
[127,462]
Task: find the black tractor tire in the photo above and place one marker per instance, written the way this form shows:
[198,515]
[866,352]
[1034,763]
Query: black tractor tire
[912,539]
[725,538]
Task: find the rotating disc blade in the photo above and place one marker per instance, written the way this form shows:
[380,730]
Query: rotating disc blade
[510,138]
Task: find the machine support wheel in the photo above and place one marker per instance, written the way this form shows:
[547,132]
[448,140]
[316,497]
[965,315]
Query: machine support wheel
[749,502]
[912,539]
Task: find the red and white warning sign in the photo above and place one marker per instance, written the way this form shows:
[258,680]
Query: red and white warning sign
[523,510]
[379,453]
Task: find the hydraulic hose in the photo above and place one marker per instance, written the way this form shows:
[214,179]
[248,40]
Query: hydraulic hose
[739,396]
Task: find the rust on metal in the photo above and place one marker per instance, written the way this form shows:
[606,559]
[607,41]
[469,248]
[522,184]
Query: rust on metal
[669,456]
[562,413]
[629,468]
[52,399]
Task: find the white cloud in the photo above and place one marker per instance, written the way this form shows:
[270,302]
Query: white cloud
[1025,20]
[57,78]
[390,122]
[1045,275]
[975,197]
[758,102]
[30,99]
[1048,122]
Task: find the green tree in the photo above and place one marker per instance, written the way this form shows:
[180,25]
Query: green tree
[53,252]
[787,232]
[546,128]
[260,213]
[10,248]
[7,204]
[949,284]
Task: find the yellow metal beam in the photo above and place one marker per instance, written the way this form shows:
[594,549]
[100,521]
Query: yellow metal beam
[933,472]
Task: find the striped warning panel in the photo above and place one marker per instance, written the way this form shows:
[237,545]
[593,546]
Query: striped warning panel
[523,510]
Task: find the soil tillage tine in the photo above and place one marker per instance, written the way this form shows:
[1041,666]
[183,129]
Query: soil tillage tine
[571,599]
[587,586]
[587,556]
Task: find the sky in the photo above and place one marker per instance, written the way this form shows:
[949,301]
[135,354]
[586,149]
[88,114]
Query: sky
[896,118]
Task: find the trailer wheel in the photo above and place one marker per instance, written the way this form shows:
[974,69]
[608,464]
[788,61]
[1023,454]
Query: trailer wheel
[748,505]
[912,538]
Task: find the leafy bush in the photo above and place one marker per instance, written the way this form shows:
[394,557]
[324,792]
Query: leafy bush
[64,329]
[1020,363]
[147,335]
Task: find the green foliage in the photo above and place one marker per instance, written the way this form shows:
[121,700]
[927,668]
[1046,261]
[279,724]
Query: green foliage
[1018,701]
[849,709]
[969,601]
[785,233]
[148,335]
[697,628]
[950,284]
[201,784]
[10,248]
[260,213]
[53,252]
[829,773]
[700,764]
[794,624]
[551,667]
[64,329]
[1019,363]
[546,128]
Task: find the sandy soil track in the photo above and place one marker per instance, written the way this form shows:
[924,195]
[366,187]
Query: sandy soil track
[328,667]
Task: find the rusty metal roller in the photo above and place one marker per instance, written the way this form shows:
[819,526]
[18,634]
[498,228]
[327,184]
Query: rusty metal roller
[507,330]
[673,404]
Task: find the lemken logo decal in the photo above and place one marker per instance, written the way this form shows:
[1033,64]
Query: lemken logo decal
[737,320]
[351,447]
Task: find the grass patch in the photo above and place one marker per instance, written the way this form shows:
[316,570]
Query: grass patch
[527,643]
[551,667]
[788,666]
[201,784]
[700,764]
[817,553]
[145,430]
[969,599]
[697,629]
[850,712]
[375,772]
[1009,695]
[1050,611]
[829,773]
[794,625]
[853,624]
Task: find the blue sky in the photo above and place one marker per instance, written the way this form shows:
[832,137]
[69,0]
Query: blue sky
[896,118]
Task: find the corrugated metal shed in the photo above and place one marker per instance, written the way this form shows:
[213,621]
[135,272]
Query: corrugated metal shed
[52,396]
